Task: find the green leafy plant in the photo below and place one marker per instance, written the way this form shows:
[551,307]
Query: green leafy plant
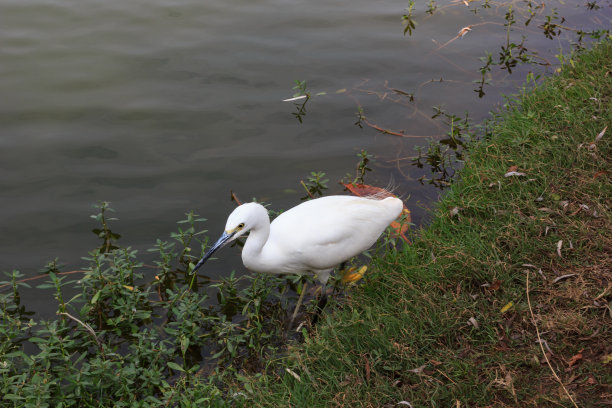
[408,19]
[105,232]
[315,185]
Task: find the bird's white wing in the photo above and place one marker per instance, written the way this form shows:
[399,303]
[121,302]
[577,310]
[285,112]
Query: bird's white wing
[322,233]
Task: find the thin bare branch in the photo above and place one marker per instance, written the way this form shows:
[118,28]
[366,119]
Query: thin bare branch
[542,347]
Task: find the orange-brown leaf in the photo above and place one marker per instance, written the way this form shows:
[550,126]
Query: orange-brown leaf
[599,173]
[495,285]
[575,359]
[364,190]
[367,369]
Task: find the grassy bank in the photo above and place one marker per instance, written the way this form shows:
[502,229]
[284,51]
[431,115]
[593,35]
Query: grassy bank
[502,301]
[505,299]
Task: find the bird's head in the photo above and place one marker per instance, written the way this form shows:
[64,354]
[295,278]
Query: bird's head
[241,220]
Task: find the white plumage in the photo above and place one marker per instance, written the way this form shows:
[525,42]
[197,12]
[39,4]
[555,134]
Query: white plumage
[311,238]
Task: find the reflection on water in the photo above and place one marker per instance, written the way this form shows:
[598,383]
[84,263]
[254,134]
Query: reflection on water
[164,107]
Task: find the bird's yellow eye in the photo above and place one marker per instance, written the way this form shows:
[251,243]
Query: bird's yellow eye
[241,225]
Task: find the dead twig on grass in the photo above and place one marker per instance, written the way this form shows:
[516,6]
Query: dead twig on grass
[542,347]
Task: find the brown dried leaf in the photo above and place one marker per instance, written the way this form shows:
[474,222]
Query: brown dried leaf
[575,359]
[495,285]
[512,168]
[599,173]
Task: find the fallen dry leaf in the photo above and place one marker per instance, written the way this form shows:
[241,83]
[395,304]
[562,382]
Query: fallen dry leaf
[507,307]
[495,285]
[575,359]
[600,135]
[293,374]
[599,173]
[559,245]
[512,168]
[515,174]
[418,370]
[473,322]
[367,369]
[464,31]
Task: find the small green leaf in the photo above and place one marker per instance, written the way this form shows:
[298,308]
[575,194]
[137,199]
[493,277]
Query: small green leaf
[95,297]
[175,366]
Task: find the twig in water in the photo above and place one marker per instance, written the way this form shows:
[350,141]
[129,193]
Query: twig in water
[234,198]
[44,275]
[386,131]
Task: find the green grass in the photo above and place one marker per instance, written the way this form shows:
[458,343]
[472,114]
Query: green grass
[405,335]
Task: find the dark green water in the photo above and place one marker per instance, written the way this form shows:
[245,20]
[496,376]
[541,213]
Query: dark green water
[165,106]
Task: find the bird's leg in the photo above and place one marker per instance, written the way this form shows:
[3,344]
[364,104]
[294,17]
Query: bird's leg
[299,303]
[323,298]
[321,304]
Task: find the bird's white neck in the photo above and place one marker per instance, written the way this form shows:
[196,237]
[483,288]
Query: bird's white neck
[258,236]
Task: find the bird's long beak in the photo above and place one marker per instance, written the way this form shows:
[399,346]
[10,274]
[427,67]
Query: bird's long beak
[224,239]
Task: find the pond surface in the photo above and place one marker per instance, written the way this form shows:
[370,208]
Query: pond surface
[162,107]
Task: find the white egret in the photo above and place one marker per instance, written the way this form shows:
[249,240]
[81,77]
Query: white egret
[309,239]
